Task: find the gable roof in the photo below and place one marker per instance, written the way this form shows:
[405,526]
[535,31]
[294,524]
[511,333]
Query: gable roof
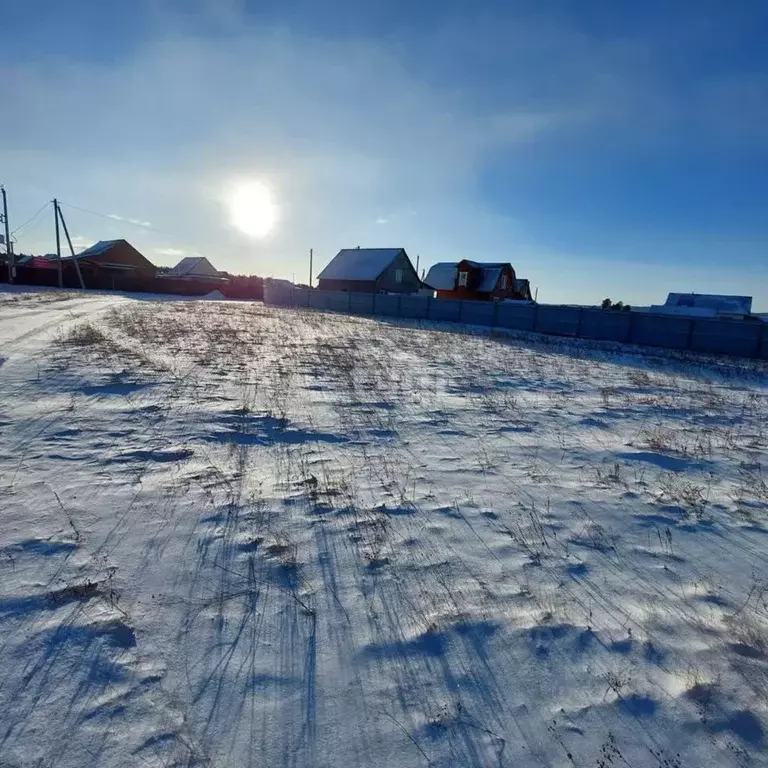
[442,276]
[194,265]
[741,305]
[485,264]
[97,249]
[490,279]
[359,263]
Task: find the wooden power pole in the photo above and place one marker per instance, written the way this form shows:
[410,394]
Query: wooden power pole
[71,248]
[58,241]
[8,247]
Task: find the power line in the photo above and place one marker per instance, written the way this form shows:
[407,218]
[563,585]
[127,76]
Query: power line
[36,224]
[31,219]
[118,219]
[85,210]
[150,228]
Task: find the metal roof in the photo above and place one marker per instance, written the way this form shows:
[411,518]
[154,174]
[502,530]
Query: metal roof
[192,264]
[96,249]
[490,279]
[442,276]
[487,264]
[359,263]
[741,305]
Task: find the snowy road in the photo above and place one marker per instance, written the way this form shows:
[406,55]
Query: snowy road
[232,535]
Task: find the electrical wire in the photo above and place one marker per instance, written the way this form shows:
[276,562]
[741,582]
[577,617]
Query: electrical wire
[118,219]
[35,225]
[141,226]
[31,219]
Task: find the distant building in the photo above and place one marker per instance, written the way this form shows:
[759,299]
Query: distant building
[194,266]
[114,256]
[370,270]
[704,305]
[38,262]
[477,281]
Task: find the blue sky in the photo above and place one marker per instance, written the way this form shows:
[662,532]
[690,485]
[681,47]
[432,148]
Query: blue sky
[604,148]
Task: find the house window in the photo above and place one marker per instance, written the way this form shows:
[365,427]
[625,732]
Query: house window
[398,275]
[463,279]
[503,282]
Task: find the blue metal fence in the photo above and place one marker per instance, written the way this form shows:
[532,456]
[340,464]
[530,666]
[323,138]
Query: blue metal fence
[740,338]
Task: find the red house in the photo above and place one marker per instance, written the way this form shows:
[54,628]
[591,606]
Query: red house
[477,281]
[114,257]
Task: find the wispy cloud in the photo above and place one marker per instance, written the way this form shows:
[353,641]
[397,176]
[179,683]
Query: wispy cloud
[169,251]
[137,222]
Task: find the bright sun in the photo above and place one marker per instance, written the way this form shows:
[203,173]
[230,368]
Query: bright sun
[252,208]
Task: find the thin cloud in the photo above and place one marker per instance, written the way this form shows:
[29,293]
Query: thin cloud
[169,252]
[137,222]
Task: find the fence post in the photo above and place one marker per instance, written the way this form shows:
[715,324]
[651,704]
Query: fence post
[461,310]
[630,327]
[689,340]
[400,305]
[578,323]
[535,317]
[495,318]
[760,340]
[429,305]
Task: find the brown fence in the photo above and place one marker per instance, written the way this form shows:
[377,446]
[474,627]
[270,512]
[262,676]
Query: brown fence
[133,282]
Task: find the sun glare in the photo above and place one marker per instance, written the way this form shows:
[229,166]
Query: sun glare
[252,208]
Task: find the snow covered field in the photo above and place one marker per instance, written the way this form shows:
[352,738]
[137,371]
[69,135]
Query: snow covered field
[233,535]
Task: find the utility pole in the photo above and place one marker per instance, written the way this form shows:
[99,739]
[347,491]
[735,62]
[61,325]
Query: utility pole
[71,248]
[310,267]
[417,265]
[8,247]
[58,240]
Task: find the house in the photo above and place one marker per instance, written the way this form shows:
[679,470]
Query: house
[115,257]
[704,305]
[192,276]
[370,270]
[478,281]
[194,267]
[49,261]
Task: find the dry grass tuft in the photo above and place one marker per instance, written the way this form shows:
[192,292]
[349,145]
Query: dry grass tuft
[85,335]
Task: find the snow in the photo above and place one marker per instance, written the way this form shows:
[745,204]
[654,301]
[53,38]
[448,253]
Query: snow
[359,263]
[490,279]
[442,277]
[195,265]
[96,249]
[242,535]
[703,305]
